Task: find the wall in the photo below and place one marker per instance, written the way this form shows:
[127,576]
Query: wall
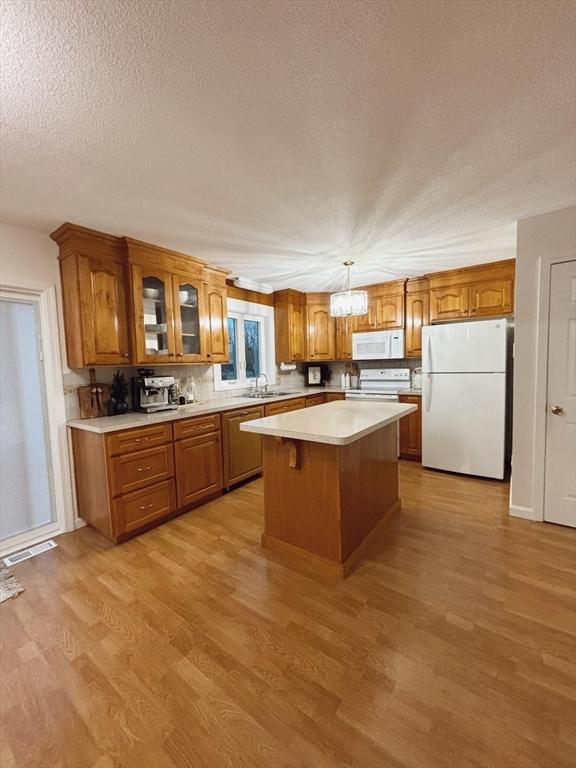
[29,260]
[550,235]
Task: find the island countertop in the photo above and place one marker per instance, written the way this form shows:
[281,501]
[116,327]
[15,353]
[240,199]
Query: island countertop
[338,423]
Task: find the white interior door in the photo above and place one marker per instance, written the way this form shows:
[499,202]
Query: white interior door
[26,493]
[560,469]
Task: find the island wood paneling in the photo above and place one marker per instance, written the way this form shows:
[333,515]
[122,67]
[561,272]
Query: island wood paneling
[322,502]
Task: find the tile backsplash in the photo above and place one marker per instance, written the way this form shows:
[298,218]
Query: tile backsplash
[199,378]
[337,369]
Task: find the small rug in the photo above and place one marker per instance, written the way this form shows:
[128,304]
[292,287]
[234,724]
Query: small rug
[9,587]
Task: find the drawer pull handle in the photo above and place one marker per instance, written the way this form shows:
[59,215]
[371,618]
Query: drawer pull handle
[144,469]
[147,506]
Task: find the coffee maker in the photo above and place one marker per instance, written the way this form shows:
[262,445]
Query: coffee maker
[152,393]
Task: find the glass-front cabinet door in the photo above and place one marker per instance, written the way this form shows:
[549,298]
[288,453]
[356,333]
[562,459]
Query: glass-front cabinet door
[153,303]
[188,330]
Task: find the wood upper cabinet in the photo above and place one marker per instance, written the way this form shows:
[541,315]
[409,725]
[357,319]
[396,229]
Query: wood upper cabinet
[216,317]
[153,315]
[450,303]
[130,302]
[411,429]
[179,307]
[417,314]
[486,290]
[385,307]
[92,269]
[389,311]
[242,450]
[344,328]
[491,297]
[290,326]
[320,327]
[188,297]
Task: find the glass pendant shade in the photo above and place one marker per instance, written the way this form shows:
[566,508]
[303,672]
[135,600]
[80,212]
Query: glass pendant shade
[348,302]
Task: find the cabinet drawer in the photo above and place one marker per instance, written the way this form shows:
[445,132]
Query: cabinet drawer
[273,409]
[134,439]
[138,470]
[140,508]
[315,400]
[333,396]
[201,425]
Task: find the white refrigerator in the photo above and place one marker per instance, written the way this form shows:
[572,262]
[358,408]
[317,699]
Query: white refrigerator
[464,397]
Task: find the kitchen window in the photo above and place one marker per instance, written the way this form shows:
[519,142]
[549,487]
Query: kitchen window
[250,346]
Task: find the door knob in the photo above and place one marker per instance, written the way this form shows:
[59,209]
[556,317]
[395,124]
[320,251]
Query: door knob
[557,410]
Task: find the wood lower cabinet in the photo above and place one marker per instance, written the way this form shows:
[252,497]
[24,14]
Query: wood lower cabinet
[242,451]
[135,511]
[127,481]
[411,429]
[132,471]
[331,397]
[135,439]
[198,468]
[273,409]
[312,400]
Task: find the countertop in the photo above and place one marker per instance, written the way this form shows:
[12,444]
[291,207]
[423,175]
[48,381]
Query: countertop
[338,423]
[135,419]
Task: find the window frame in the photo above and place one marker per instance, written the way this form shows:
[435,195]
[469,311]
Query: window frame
[264,315]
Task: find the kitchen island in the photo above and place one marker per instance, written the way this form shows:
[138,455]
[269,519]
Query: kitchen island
[330,479]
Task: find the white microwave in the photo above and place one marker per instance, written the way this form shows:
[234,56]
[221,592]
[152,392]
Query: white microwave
[378,345]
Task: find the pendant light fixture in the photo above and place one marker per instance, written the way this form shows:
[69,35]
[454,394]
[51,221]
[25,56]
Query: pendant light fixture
[348,302]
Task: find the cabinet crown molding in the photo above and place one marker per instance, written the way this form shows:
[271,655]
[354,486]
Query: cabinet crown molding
[492,270]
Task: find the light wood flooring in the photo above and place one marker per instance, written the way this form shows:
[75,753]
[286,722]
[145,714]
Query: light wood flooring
[452,645]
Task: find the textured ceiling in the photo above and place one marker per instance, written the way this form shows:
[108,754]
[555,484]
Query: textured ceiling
[280,138]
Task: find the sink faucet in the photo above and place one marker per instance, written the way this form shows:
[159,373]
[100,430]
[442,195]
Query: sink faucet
[265,387]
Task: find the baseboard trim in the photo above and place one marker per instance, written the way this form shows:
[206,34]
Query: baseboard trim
[527,513]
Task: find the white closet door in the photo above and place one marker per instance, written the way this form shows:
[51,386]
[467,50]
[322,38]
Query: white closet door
[26,497]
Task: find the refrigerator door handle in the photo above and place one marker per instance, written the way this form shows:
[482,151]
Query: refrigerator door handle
[428,393]
[429,344]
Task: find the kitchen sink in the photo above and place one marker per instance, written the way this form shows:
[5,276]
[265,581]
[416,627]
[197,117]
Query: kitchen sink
[265,395]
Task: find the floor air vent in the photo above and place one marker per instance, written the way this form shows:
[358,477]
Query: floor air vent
[26,554]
